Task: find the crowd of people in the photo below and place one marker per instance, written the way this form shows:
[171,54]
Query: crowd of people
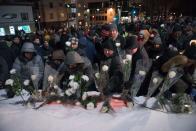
[68,50]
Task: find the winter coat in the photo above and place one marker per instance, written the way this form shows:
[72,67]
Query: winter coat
[7,54]
[25,68]
[3,70]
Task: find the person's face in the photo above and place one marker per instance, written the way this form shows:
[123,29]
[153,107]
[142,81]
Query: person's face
[28,55]
[16,40]
[132,51]
[46,44]
[37,41]
[108,52]
[114,33]
[74,45]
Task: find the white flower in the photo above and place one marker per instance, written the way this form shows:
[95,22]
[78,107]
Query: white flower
[172,74]
[152,35]
[26,82]
[157,57]
[97,75]
[124,61]
[68,92]
[155,80]
[9,82]
[84,96]
[117,44]
[56,87]
[12,71]
[71,77]
[162,25]
[68,43]
[50,78]
[85,78]
[33,77]
[78,104]
[72,90]
[142,73]
[105,68]
[93,93]
[129,57]
[90,106]
[74,85]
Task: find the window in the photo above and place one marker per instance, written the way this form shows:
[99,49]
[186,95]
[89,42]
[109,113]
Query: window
[51,16]
[51,5]
[24,16]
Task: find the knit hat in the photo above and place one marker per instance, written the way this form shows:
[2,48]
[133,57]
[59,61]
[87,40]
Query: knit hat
[108,44]
[113,26]
[131,42]
[58,55]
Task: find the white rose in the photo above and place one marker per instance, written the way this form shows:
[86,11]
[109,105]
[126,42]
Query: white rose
[13,71]
[117,44]
[172,74]
[68,92]
[84,96]
[68,43]
[155,80]
[9,82]
[129,57]
[142,73]
[26,82]
[78,104]
[85,78]
[93,93]
[74,85]
[97,75]
[105,68]
[33,77]
[72,90]
[157,57]
[50,78]
[90,106]
[56,87]
[71,77]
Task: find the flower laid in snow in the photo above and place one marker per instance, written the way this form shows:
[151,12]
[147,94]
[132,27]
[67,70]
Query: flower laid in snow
[68,43]
[142,73]
[9,82]
[26,82]
[68,92]
[97,75]
[13,71]
[105,68]
[84,96]
[90,106]
[117,44]
[85,77]
[71,77]
[73,85]
[129,57]
[155,80]
[172,74]
[78,104]
[93,93]
[50,78]
[33,77]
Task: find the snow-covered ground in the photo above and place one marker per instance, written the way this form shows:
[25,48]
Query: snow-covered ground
[69,118]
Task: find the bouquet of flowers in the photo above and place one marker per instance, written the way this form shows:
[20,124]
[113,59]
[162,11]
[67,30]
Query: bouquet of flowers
[172,77]
[13,85]
[155,81]
[140,74]
[127,67]
[101,78]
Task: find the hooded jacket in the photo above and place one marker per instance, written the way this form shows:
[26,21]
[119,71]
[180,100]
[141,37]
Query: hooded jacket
[25,68]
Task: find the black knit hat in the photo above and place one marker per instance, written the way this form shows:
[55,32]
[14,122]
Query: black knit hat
[113,26]
[131,42]
[105,30]
[108,44]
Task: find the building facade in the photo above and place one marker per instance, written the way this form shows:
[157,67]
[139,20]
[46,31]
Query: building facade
[16,17]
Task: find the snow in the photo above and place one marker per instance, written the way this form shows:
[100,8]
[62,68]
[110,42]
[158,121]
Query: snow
[15,117]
